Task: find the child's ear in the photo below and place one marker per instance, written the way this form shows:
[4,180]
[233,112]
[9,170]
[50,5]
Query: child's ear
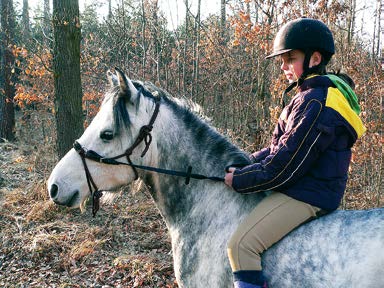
[315,59]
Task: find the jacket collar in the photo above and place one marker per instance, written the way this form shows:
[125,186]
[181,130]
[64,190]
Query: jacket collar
[315,81]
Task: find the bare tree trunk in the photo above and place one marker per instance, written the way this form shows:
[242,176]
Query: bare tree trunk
[380,8]
[353,20]
[179,70]
[351,16]
[218,98]
[223,16]
[124,57]
[376,29]
[248,8]
[196,53]
[185,48]
[109,10]
[144,43]
[47,22]
[155,40]
[25,19]
[67,80]
[382,33]
[256,12]
[7,77]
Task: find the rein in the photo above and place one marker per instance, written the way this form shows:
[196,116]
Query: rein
[144,135]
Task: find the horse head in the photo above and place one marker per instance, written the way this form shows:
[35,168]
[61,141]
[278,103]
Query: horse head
[115,135]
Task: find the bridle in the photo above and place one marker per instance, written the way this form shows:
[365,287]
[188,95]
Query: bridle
[144,135]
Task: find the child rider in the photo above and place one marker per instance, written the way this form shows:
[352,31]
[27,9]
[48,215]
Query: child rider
[306,164]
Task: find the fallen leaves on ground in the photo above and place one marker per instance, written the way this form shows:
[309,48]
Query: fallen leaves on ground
[43,245]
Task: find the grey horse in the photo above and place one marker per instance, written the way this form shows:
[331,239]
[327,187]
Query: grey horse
[342,249]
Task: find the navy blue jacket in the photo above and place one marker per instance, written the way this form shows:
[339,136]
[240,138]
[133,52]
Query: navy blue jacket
[310,151]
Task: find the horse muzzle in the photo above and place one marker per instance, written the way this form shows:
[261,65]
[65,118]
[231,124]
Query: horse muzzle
[72,199]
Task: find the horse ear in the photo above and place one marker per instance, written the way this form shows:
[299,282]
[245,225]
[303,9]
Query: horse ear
[112,78]
[127,89]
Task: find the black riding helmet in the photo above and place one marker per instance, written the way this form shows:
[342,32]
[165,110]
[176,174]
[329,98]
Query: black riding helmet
[308,35]
[304,34]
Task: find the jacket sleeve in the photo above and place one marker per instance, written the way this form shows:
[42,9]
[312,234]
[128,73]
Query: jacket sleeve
[258,156]
[298,149]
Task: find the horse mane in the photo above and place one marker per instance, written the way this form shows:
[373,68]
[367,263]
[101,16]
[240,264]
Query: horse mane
[190,113]
[195,122]
[152,91]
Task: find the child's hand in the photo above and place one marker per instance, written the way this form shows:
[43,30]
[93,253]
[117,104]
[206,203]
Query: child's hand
[229,176]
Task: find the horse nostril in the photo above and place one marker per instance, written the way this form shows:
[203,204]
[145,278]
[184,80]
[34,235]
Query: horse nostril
[53,191]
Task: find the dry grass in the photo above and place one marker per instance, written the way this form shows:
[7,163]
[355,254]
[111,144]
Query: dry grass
[44,245]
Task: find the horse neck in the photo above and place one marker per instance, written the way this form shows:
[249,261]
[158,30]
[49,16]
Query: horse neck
[190,142]
[185,138]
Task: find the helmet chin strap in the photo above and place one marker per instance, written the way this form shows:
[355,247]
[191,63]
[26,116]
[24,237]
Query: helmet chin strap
[306,69]
[286,91]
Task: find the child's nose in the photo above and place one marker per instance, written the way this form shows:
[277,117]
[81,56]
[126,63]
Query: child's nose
[284,66]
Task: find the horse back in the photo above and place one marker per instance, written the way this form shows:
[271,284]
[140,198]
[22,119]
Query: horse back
[342,249]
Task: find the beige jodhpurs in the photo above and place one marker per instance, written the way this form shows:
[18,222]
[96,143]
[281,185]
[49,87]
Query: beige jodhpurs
[273,218]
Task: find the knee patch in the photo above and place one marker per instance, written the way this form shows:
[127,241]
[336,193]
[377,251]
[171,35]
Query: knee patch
[244,252]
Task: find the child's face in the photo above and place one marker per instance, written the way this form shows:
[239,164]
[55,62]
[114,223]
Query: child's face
[292,64]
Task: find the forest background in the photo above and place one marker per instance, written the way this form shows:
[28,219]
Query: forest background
[218,62]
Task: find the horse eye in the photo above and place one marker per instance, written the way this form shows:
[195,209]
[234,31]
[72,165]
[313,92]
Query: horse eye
[106,135]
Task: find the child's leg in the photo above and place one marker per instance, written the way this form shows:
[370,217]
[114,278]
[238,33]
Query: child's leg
[272,219]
